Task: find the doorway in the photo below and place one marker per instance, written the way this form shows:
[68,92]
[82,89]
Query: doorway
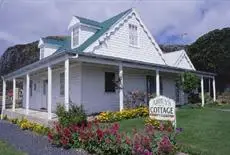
[44,95]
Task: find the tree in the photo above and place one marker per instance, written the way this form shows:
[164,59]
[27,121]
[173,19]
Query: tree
[211,52]
[189,82]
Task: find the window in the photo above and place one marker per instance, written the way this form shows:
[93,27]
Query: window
[35,86]
[109,82]
[62,84]
[41,52]
[45,86]
[31,87]
[75,37]
[151,84]
[133,35]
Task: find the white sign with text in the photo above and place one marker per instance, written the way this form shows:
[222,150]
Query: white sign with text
[162,108]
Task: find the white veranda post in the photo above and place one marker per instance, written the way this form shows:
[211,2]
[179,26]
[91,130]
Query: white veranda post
[14,94]
[27,93]
[3,96]
[67,84]
[157,83]
[209,86]
[202,90]
[49,91]
[121,93]
[214,89]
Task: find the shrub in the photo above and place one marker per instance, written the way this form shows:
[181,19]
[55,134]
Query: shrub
[124,114]
[194,98]
[190,82]
[107,139]
[4,117]
[75,115]
[135,99]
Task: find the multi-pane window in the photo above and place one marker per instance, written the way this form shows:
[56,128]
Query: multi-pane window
[62,84]
[110,82]
[42,52]
[75,36]
[133,35]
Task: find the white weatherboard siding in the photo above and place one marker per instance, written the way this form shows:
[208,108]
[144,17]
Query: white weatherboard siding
[178,59]
[169,87]
[94,97]
[85,33]
[135,80]
[39,100]
[183,63]
[49,49]
[117,45]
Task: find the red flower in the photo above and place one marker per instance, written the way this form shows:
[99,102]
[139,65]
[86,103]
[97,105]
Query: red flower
[128,141]
[165,145]
[50,136]
[100,134]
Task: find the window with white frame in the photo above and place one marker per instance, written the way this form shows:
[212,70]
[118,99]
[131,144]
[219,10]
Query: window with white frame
[41,52]
[75,36]
[62,84]
[133,35]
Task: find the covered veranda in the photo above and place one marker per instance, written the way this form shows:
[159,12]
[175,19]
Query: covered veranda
[63,60]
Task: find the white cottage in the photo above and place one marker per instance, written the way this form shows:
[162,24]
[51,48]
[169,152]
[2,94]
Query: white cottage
[82,67]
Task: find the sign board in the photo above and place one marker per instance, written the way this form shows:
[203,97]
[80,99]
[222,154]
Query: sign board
[162,108]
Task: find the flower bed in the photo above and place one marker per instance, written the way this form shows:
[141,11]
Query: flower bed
[107,139]
[124,114]
[25,124]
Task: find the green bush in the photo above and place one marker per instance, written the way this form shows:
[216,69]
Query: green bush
[75,115]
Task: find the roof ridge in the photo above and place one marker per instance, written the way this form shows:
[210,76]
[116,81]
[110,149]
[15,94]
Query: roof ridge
[124,12]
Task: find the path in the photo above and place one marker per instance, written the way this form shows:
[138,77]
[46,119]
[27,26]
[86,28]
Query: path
[29,142]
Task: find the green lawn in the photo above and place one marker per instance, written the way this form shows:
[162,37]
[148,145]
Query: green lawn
[5,149]
[206,131]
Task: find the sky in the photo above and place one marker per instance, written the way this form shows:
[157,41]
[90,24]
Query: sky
[169,21]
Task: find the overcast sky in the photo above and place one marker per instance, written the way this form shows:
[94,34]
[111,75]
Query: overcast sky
[23,21]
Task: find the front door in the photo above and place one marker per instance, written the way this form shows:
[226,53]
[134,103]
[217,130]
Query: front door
[44,94]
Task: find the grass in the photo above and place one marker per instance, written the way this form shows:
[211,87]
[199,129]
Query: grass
[206,131]
[5,149]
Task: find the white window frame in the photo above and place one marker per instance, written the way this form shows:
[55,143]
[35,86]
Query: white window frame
[133,36]
[77,29]
[42,52]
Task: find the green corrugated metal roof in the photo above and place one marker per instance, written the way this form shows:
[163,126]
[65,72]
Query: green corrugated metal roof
[105,27]
[88,21]
[57,40]
[65,42]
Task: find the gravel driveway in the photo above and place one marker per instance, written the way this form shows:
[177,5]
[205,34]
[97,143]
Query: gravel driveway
[29,142]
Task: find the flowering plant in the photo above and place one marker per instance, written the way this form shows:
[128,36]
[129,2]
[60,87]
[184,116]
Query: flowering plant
[107,139]
[124,114]
[25,124]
